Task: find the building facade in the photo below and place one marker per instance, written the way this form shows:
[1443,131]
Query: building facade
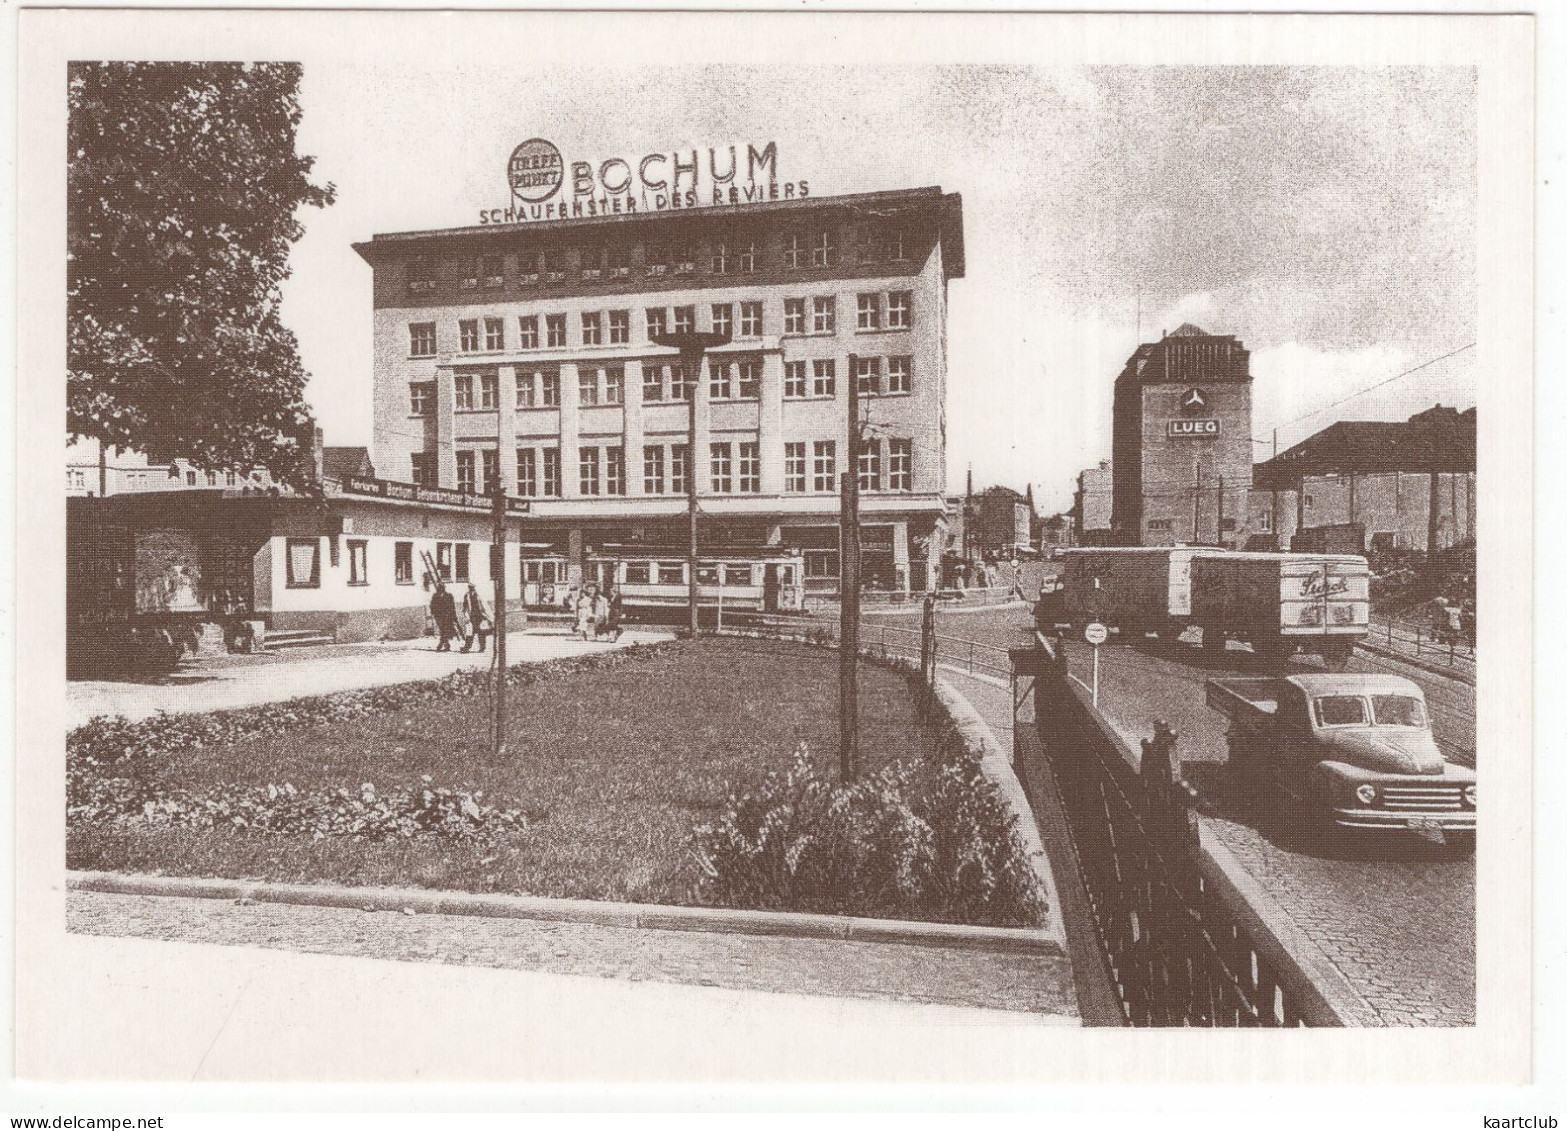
[1091,503]
[91,471]
[522,353]
[1181,446]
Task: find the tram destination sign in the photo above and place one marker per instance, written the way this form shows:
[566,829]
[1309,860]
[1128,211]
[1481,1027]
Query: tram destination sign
[1189,429]
[413,493]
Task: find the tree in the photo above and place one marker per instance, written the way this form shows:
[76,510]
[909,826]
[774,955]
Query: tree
[185,189]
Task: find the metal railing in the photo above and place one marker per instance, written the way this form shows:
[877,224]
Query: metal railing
[951,652]
[1422,642]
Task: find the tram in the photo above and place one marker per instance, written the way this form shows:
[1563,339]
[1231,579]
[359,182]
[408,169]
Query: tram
[764,579]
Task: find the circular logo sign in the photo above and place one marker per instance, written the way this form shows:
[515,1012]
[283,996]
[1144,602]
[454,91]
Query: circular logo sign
[535,171]
[1096,634]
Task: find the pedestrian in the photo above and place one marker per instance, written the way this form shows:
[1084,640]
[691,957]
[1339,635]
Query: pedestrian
[480,623]
[614,614]
[443,608]
[586,600]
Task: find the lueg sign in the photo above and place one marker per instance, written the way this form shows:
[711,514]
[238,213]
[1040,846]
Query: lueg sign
[1192,429]
[544,186]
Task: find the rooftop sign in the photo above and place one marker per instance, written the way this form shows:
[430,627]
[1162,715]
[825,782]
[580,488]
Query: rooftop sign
[413,493]
[545,186]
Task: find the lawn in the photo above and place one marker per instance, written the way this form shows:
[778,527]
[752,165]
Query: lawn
[611,767]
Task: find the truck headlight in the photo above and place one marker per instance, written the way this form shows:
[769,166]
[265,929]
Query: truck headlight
[1366,794]
[1469,796]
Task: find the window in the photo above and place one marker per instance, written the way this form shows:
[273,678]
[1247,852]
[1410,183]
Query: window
[821,564]
[737,575]
[469,277]
[684,258]
[900,374]
[421,339]
[682,380]
[1341,711]
[615,470]
[685,319]
[723,318]
[422,471]
[555,330]
[719,384]
[1397,711]
[720,260]
[748,372]
[495,334]
[794,378]
[527,472]
[421,397]
[870,466]
[528,332]
[549,388]
[618,260]
[824,377]
[822,250]
[794,466]
[656,257]
[212,479]
[489,390]
[794,250]
[403,563]
[653,469]
[750,319]
[869,316]
[553,264]
[824,314]
[357,568]
[678,462]
[492,271]
[747,254]
[462,384]
[671,573]
[466,473]
[867,375]
[900,465]
[491,461]
[900,310]
[1306,503]
[723,481]
[619,327]
[652,382]
[750,466]
[551,472]
[1264,523]
[588,471]
[190,479]
[894,245]
[591,260]
[525,389]
[468,335]
[824,469]
[443,560]
[304,563]
[421,275]
[657,322]
[794,316]
[615,384]
[639,573]
[229,479]
[592,329]
[460,570]
[587,385]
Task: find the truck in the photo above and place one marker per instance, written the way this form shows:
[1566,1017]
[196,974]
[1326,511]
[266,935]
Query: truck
[1281,604]
[1137,589]
[1355,750]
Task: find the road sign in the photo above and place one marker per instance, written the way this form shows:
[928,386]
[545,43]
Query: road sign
[1096,634]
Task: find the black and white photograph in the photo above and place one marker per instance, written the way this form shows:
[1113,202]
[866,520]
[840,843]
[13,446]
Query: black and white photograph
[837,536]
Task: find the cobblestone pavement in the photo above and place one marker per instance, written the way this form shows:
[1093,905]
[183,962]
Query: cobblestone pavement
[1033,988]
[1396,914]
[226,682]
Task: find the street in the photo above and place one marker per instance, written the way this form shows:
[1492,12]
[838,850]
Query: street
[1396,914]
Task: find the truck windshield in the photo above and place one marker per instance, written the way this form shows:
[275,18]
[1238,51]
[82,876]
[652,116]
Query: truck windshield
[1398,711]
[1341,710]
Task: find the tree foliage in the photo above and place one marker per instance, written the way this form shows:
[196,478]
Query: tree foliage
[185,190]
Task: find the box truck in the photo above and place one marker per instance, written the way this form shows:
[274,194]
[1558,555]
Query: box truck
[1282,603]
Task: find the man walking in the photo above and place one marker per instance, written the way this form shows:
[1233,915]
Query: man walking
[480,623]
[443,608]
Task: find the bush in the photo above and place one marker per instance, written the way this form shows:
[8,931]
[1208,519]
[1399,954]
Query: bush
[898,844]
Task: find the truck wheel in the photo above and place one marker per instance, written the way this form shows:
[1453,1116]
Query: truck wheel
[1460,840]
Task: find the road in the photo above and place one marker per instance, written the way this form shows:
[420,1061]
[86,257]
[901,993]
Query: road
[1394,913]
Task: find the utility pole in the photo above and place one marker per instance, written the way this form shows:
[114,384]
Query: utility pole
[498,576]
[849,591]
[1219,532]
[1273,474]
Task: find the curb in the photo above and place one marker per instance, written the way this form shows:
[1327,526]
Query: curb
[1455,674]
[643,916]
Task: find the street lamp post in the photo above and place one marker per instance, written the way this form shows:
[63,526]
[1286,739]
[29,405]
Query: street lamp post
[693,345]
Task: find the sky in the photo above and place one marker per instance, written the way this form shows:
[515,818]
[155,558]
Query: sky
[1325,216]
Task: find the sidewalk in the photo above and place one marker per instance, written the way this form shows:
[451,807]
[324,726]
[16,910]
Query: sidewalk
[229,682]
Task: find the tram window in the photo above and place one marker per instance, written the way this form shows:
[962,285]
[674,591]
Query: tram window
[707,575]
[639,573]
[737,575]
[670,573]
[786,575]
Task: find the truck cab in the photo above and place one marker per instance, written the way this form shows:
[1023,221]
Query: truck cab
[1356,749]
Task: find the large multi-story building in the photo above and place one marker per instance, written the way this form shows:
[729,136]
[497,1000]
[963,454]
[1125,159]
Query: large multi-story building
[524,352]
[1181,446]
[1091,504]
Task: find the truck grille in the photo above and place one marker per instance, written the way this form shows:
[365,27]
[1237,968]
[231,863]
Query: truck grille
[1426,798]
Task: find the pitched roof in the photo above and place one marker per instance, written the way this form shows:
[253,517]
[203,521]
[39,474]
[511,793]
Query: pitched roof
[1424,443]
[336,463]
